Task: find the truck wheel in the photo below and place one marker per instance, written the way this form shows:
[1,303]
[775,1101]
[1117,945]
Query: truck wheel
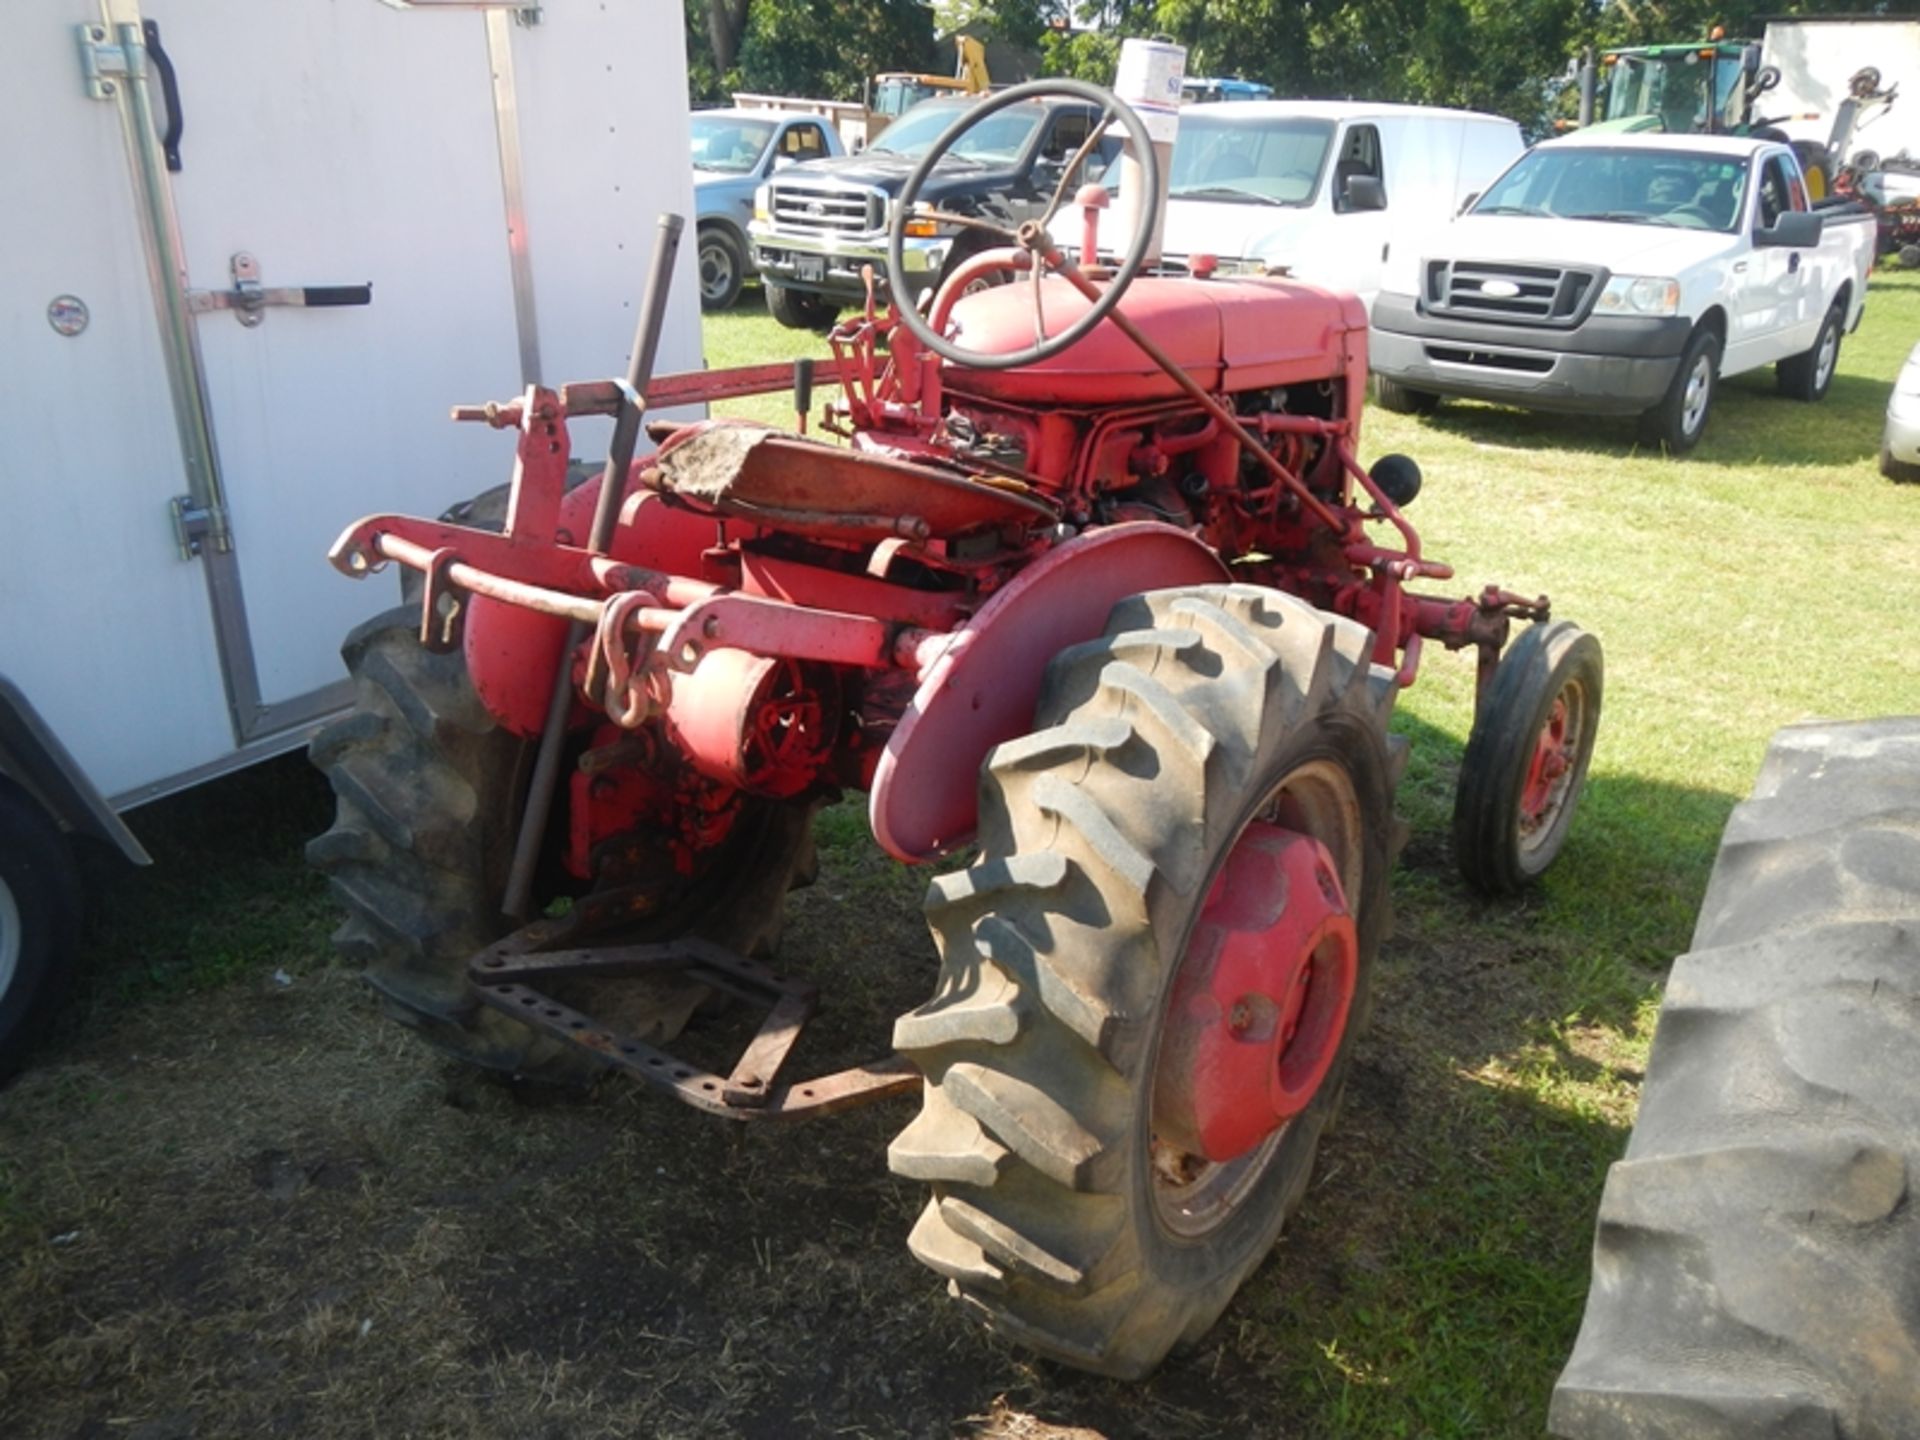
[1756,1268]
[39,922]
[1679,420]
[1402,400]
[1209,786]
[1808,376]
[428,789]
[1527,757]
[723,268]
[801,309]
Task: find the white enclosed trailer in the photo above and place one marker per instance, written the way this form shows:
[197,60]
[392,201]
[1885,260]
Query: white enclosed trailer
[253,251]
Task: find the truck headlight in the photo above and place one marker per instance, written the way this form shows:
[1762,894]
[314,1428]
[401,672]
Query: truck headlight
[763,203]
[1640,295]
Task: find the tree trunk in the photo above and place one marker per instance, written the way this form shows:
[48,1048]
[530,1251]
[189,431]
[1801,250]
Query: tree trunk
[726,23]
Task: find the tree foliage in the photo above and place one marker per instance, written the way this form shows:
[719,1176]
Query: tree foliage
[1507,56]
[825,49]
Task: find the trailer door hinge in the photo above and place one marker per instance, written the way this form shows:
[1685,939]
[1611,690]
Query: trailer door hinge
[249,299]
[196,525]
[103,64]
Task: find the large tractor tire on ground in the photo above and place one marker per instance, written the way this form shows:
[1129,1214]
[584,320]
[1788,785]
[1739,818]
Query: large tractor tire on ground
[1756,1271]
[1069,1207]
[429,790]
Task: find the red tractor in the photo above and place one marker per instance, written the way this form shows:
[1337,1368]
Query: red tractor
[1094,591]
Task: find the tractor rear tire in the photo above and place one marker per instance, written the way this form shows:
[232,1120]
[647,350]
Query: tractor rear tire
[1053,1215]
[39,922]
[1756,1269]
[429,788]
[1400,399]
[801,309]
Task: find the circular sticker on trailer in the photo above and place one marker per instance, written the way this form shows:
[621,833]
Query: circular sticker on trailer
[67,314]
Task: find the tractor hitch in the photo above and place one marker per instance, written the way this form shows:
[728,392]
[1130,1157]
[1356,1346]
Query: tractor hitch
[512,976]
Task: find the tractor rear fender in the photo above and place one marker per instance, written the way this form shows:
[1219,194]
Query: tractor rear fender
[32,757]
[981,687]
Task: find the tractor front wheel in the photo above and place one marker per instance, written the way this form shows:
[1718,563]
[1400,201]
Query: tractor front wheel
[1153,976]
[1527,757]
[429,789]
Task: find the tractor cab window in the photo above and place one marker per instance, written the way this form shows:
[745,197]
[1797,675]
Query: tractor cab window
[1359,155]
[1264,161]
[803,142]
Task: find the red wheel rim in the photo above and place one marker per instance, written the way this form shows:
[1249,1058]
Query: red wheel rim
[1257,1013]
[1552,767]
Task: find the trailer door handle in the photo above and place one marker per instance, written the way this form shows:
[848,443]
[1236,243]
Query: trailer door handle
[170,90]
[249,299]
[1739,267]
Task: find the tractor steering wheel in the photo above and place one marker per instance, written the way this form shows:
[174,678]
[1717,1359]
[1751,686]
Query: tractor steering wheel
[1031,236]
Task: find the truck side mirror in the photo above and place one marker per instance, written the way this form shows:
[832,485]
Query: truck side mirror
[1795,230]
[1365,192]
[782,162]
[1467,204]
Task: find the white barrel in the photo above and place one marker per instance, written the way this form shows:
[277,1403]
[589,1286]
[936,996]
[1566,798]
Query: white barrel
[1149,79]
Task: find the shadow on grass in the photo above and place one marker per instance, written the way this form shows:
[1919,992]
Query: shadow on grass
[1430,1283]
[1749,418]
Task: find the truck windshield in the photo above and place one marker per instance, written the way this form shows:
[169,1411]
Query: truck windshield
[1249,161]
[1687,92]
[1631,187]
[999,137]
[728,144]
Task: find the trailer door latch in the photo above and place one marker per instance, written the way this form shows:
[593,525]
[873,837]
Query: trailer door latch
[249,299]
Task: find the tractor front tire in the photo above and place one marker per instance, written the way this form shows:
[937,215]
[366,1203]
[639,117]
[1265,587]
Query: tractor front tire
[1059,1213]
[1400,399]
[800,309]
[429,788]
[1756,1267]
[39,922]
[1527,757]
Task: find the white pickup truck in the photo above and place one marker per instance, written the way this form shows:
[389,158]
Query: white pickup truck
[1626,275]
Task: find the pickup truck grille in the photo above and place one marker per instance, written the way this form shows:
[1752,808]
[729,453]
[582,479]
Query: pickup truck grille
[815,209]
[1503,291]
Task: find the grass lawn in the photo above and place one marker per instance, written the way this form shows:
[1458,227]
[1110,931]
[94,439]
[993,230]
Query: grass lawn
[230,1204]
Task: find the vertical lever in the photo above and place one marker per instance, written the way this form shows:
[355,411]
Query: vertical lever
[606,513]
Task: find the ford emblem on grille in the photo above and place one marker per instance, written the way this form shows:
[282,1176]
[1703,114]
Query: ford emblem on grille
[815,207]
[1499,289]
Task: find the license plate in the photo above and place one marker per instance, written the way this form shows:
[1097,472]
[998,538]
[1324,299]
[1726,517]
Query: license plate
[810,267]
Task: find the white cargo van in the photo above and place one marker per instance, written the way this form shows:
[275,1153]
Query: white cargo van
[1323,189]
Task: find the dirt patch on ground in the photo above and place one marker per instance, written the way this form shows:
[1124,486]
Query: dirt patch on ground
[248,1206]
